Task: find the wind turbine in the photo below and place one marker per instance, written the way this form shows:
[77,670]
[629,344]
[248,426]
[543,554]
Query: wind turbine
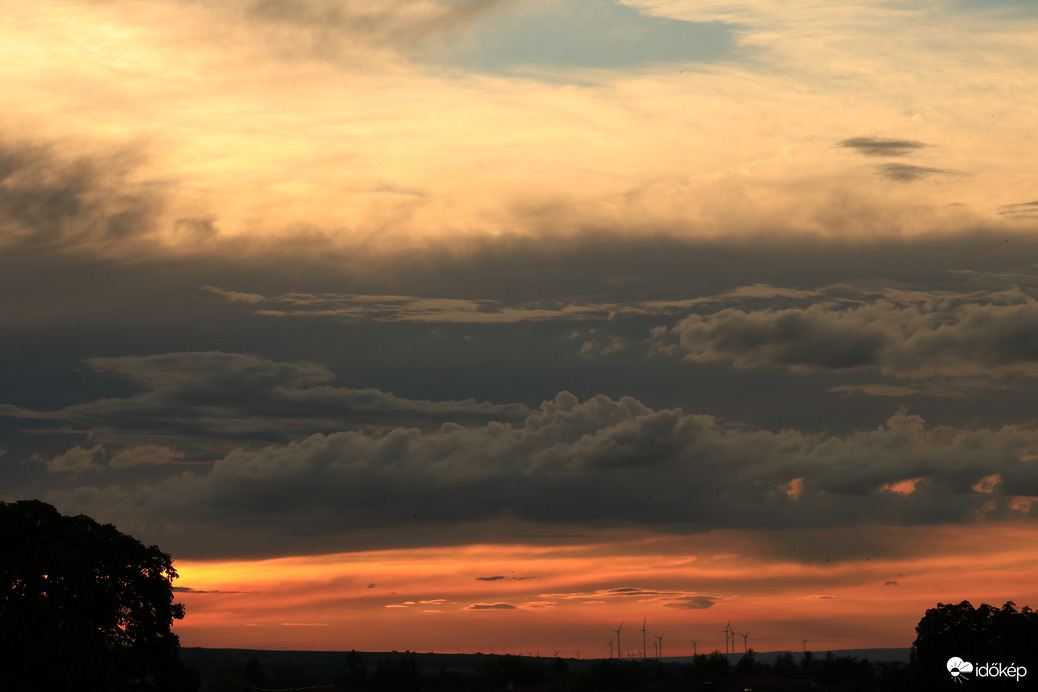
[643,638]
[744,647]
[805,643]
[619,651]
[659,639]
[556,652]
[727,634]
[610,647]
[694,642]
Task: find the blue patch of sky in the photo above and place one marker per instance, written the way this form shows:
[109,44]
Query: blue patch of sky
[1029,7]
[587,34]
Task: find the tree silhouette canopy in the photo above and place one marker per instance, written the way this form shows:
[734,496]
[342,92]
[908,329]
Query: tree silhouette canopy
[84,606]
[983,634]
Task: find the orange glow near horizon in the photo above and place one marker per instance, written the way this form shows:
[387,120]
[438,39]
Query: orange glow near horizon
[511,598]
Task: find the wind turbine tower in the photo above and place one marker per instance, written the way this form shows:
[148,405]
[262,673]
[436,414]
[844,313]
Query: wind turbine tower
[643,638]
[619,651]
[659,640]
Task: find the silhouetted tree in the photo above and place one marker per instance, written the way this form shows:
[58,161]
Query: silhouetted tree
[784,666]
[984,634]
[748,665]
[402,675]
[84,607]
[289,676]
[713,667]
[253,673]
[844,673]
[499,671]
[354,675]
[614,674]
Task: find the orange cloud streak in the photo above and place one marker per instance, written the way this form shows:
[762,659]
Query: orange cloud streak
[536,597]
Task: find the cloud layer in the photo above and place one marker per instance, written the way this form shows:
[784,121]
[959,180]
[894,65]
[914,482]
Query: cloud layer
[596,463]
[212,401]
[904,334]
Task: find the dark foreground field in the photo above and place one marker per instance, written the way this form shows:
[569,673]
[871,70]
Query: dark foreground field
[227,670]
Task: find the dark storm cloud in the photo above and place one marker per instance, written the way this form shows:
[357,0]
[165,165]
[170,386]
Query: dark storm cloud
[906,173]
[796,338]
[902,333]
[221,400]
[589,275]
[72,306]
[604,269]
[349,466]
[876,146]
[51,197]
[588,464]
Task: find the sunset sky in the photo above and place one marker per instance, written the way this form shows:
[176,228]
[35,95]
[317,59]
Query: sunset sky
[459,325]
